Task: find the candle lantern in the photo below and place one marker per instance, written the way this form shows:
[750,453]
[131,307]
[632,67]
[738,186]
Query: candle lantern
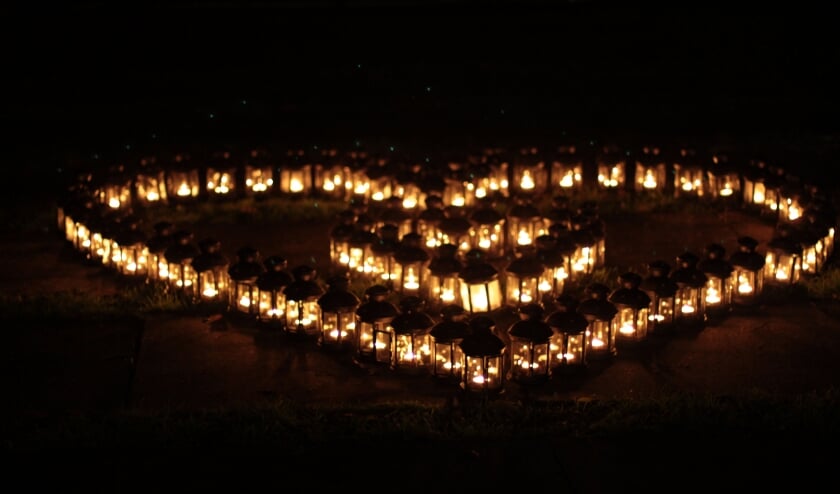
[489,179]
[379,181]
[410,266]
[761,190]
[690,298]
[443,281]
[221,176]
[723,179]
[340,238]
[481,289]
[459,189]
[132,253]
[375,335]
[150,183]
[567,169]
[812,234]
[360,255]
[590,217]
[525,223]
[179,256]
[529,343]
[158,269]
[522,279]
[720,284]
[116,192]
[650,171]
[783,261]
[211,266]
[568,343]
[560,212]
[101,227]
[271,291]
[182,180]
[487,229]
[600,313]
[333,176]
[428,222]
[555,260]
[689,175]
[447,336]
[303,314]
[455,228]
[394,213]
[409,188]
[243,276]
[338,314]
[412,338]
[259,174]
[612,169]
[792,202]
[747,273]
[484,354]
[529,173]
[295,174]
[584,258]
[662,291]
[633,306]
[382,268]
[822,214]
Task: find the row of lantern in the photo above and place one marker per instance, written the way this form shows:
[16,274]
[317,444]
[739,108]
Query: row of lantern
[461,183]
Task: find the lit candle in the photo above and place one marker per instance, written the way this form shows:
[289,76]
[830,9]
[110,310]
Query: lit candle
[527,182]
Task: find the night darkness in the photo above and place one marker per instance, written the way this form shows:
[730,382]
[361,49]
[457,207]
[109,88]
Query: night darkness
[89,83]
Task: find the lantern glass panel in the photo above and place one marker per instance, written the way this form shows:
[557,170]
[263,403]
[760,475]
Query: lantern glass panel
[413,350]
[483,373]
[611,175]
[521,290]
[303,316]
[272,304]
[601,338]
[567,349]
[338,328]
[650,176]
[529,359]
[258,180]
[221,182]
[482,297]
[183,183]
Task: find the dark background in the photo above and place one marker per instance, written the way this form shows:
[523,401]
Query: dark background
[91,83]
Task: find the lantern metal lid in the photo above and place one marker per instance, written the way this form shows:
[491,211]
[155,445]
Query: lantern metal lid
[338,298]
[412,320]
[387,239]
[377,308]
[276,276]
[304,286]
[687,273]
[161,238]
[477,269]
[485,214]
[629,293]
[481,342]
[565,318]
[452,326]
[525,266]
[247,267]
[785,241]
[410,250]
[658,280]
[531,326]
[746,257]
[524,209]
[182,249]
[454,224]
[598,305]
[715,264]
[129,233]
[345,227]
[446,262]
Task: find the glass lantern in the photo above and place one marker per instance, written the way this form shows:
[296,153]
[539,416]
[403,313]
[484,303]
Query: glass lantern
[524,224]
[333,177]
[529,173]
[211,266]
[633,305]
[566,169]
[761,191]
[792,203]
[529,345]
[340,236]
[133,256]
[489,179]
[221,176]
[447,336]
[408,187]
[360,253]
[568,343]
[484,354]
[812,237]
[522,280]
[458,189]
[271,291]
[375,335]
[611,168]
[382,265]
[182,182]
[410,266]
[338,314]
[150,183]
[689,175]
[481,290]
[723,180]
[412,338]
[720,283]
[662,291]
[600,313]
[650,171]
[555,261]
[258,174]
[295,175]
[117,192]
[393,212]
[303,314]
[444,285]
[428,222]
[243,276]
[179,256]
[487,230]
[690,298]
[158,269]
[747,273]
[783,261]
[585,257]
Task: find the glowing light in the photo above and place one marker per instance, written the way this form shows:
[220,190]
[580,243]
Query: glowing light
[527,181]
[295,185]
[712,296]
[649,181]
[114,203]
[183,190]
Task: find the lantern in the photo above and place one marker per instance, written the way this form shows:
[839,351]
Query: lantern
[560,213]
[489,179]
[568,343]
[382,267]
[375,335]
[412,341]
[484,353]
[815,235]
[410,263]
[792,203]
[529,174]
[428,222]
[150,183]
[689,175]
[408,187]
[747,272]
[338,314]
[529,345]
[259,174]
[360,243]
[132,254]
[340,238]
[116,193]
[182,182]
[333,177]
[720,283]
[611,168]
[555,260]
[567,169]
[394,213]
[590,218]
[691,283]
[761,191]
[584,258]
[379,182]
[600,313]
[221,176]
[662,291]
[295,175]
[446,336]
[481,290]
[303,314]
[525,223]
[633,306]
[211,266]
[444,285]
[179,255]
[458,190]
[243,276]
[487,230]
[522,279]
[158,269]
[723,180]
[650,171]
[783,262]
[271,291]
[455,228]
